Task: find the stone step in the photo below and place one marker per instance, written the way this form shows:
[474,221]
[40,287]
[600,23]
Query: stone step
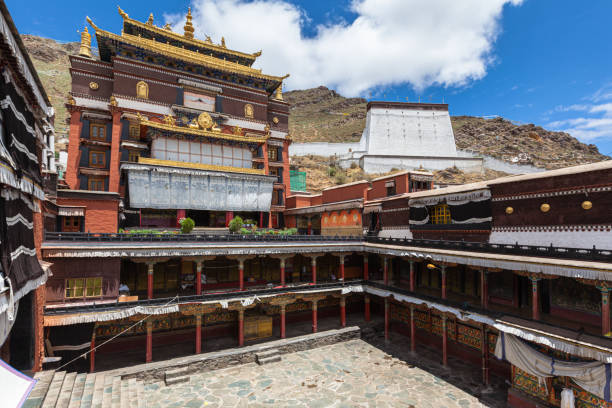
[98,392]
[116,395]
[125,395]
[177,380]
[88,391]
[140,392]
[267,353]
[133,393]
[54,390]
[108,392]
[39,392]
[77,391]
[63,399]
[268,360]
[178,372]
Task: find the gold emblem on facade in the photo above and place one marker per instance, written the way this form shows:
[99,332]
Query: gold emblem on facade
[205,121]
[509,210]
[113,101]
[94,86]
[275,120]
[587,205]
[142,90]
[169,120]
[545,207]
[237,130]
[248,110]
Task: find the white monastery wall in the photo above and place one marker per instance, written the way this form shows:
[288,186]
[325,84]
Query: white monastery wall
[566,236]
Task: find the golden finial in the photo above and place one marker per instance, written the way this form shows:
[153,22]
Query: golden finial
[167,27]
[91,23]
[257,54]
[150,20]
[279,92]
[122,13]
[208,39]
[223,42]
[188,25]
[85,50]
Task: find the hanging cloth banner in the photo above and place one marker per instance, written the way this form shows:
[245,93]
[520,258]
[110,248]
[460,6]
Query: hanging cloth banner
[15,386]
[595,376]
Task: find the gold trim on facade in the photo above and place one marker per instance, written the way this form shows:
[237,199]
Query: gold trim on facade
[198,166]
[201,132]
[193,41]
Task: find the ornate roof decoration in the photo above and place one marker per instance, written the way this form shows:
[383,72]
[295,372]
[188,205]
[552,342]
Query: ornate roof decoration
[188,38]
[184,54]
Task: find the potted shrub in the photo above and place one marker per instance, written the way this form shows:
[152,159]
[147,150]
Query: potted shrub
[187,225]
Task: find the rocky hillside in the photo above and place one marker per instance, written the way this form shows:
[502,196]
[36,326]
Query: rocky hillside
[51,61]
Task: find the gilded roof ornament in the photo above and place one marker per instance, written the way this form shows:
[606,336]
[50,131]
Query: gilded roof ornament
[223,42]
[205,121]
[189,30]
[237,130]
[150,20]
[85,50]
[123,13]
[113,101]
[169,120]
[279,92]
[167,27]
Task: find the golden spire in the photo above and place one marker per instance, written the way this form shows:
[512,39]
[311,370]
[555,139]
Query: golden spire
[123,13]
[223,42]
[85,50]
[150,20]
[279,92]
[188,25]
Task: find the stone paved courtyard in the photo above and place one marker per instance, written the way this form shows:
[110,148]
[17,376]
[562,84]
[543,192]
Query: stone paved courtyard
[349,374]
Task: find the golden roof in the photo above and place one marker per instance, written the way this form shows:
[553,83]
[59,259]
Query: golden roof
[189,40]
[185,55]
[199,166]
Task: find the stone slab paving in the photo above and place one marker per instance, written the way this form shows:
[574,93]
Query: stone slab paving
[349,374]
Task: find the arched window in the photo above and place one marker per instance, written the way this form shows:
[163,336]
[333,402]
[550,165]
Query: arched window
[440,214]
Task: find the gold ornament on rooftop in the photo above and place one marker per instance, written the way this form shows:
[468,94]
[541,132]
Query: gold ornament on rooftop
[188,25]
[205,121]
[545,207]
[586,205]
[279,92]
[150,20]
[85,50]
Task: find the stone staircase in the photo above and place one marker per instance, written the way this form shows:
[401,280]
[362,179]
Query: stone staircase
[59,389]
[178,375]
[268,356]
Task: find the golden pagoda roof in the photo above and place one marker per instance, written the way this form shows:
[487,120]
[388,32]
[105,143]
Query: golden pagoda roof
[185,55]
[193,41]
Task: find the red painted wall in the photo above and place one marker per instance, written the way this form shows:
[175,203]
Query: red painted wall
[100,215]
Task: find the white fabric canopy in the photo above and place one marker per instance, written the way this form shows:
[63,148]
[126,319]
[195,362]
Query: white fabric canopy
[14,386]
[595,376]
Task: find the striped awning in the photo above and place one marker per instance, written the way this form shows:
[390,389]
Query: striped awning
[71,211]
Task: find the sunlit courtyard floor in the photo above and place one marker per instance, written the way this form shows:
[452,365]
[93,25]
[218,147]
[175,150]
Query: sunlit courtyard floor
[349,374]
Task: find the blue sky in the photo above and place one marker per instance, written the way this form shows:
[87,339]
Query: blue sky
[546,62]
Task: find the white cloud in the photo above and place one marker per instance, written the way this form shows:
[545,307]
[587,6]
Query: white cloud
[595,121]
[445,42]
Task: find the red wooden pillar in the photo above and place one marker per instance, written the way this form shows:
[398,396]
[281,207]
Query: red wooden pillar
[199,277]
[149,352]
[229,215]
[282,322]
[412,276]
[385,270]
[314,316]
[313,262]
[309,226]
[261,219]
[198,333]
[535,299]
[444,342]
[412,330]
[282,271]
[343,311]
[366,274]
[241,273]
[605,310]
[485,355]
[180,214]
[366,301]
[240,328]
[484,289]
[386,319]
[92,352]
[342,268]
[150,270]
[443,274]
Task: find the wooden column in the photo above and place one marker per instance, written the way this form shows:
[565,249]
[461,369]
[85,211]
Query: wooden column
[241,273]
[282,271]
[484,289]
[150,270]
[342,267]
[385,270]
[198,333]
[605,309]
[444,342]
[443,276]
[313,263]
[412,276]
[485,355]
[92,352]
[386,319]
[309,225]
[343,311]
[314,316]
[366,274]
[199,277]
[113,179]
[535,299]
[240,327]
[366,301]
[149,352]
[412,330]
[282,322]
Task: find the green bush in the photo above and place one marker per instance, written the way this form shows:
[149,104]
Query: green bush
[250,222]
[187,225]
[331,171]
[235,224]
[245,231]
[340,178]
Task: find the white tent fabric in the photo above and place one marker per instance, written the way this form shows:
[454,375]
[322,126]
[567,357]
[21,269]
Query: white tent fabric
[14,386]
[595,376]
